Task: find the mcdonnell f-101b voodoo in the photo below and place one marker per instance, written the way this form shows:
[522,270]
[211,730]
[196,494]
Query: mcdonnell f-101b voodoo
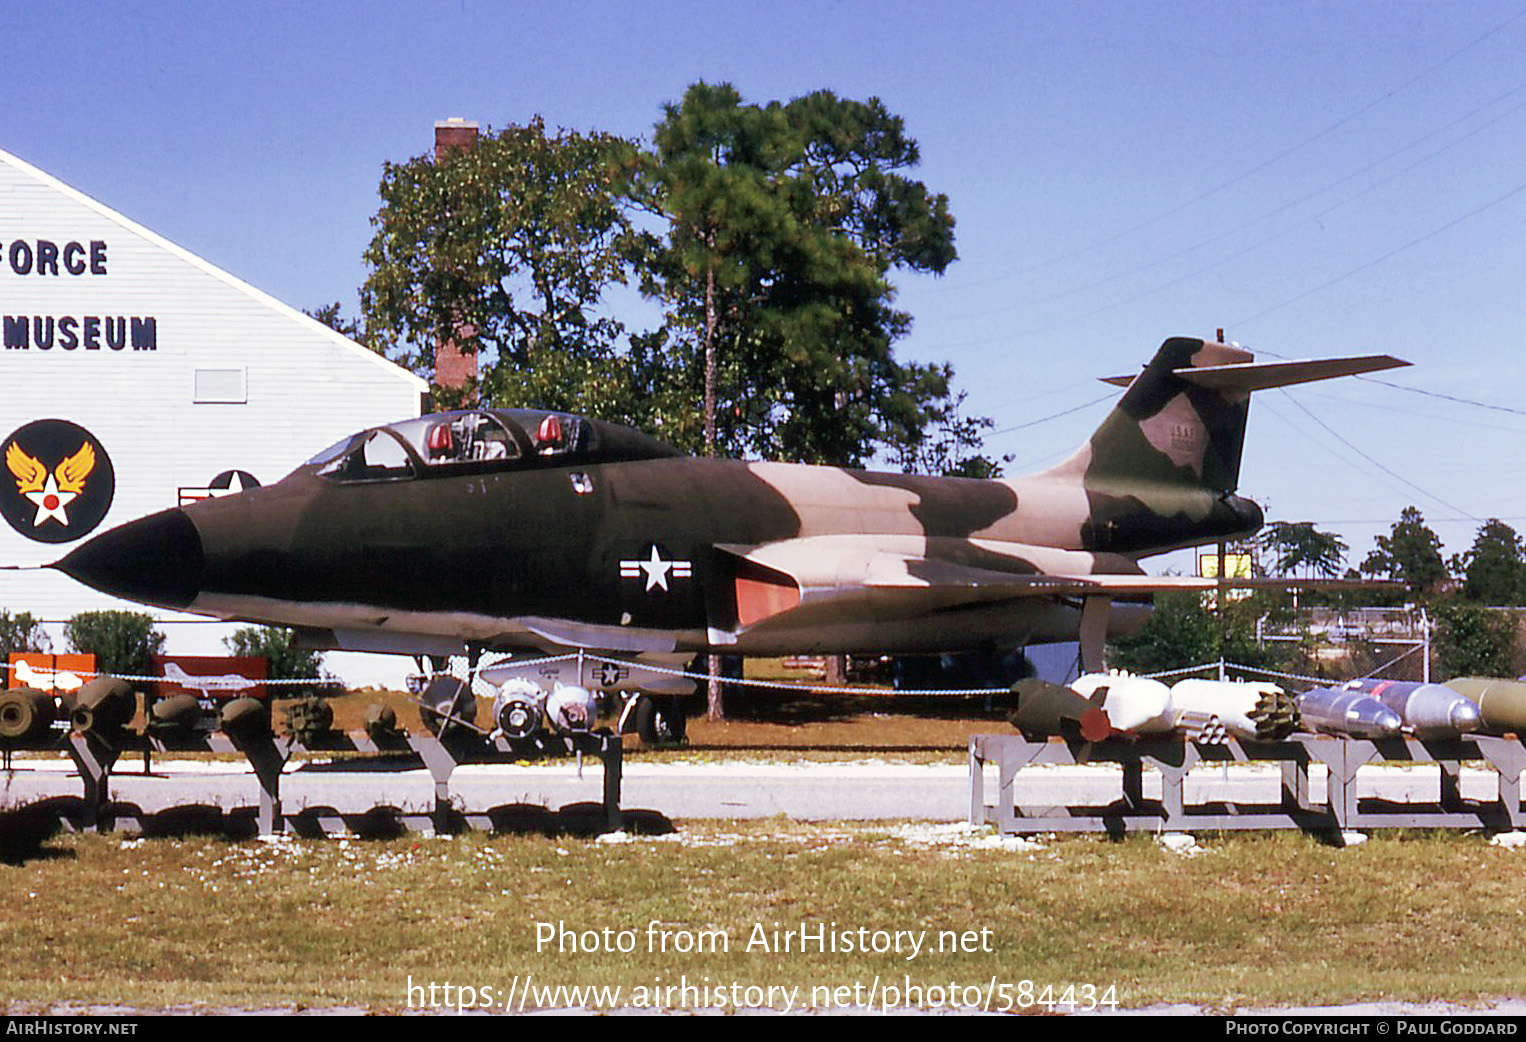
[521,529]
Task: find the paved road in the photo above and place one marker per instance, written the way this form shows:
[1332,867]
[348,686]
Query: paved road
[813,792]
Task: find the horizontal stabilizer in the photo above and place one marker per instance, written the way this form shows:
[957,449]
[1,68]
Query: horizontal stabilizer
[1260,376]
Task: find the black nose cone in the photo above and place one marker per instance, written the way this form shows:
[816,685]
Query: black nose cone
[155,560]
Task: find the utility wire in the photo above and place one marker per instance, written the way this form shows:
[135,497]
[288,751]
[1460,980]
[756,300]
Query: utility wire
[1444,397]
[1313,218]
[1158,262]
[1385,469]
[1517,190]
[1291,150]
[1053,416]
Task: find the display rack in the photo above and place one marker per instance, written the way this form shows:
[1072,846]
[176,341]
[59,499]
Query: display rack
[1175,757]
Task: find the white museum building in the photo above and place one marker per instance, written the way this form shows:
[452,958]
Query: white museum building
[138,376]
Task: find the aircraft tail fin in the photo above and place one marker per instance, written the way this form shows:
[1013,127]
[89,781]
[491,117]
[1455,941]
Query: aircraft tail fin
[1181,423]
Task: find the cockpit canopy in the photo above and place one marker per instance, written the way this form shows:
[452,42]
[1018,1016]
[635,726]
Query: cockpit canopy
[482,440]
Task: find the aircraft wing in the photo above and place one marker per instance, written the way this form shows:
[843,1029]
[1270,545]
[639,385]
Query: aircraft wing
[1123,585]
[905,577]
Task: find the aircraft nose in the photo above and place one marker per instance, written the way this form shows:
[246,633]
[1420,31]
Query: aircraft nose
[155,560]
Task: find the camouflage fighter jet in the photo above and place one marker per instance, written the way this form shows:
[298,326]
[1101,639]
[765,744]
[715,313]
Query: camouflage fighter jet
[519,529]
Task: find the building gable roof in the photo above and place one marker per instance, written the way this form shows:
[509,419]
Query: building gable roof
[338,339]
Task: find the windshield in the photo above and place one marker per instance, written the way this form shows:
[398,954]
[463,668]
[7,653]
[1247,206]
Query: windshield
[374,456]
[456,438]
[333,450]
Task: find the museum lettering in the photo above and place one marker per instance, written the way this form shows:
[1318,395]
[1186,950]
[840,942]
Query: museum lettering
[80,333]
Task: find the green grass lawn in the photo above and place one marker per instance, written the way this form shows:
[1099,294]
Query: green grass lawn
[1247,920]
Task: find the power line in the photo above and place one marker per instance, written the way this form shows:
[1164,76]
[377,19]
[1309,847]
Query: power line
[1216,189]
[1517,190]
[1156,262]
[1392,411]
[1053,416]
[1385,469]
[1444,397]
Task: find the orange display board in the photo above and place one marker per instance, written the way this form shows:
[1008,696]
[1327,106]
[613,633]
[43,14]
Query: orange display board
[59,674]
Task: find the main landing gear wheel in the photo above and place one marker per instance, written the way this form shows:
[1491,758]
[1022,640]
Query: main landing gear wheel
[661,721]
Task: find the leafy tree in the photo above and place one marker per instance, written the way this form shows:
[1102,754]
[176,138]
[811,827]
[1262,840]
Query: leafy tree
[1473,641]
[951,446]
[1297,546]
[767,234]
[123,642]
[508,248]
[785,221]
[1494,569]
[1410,553]
[286,661]
[21,632]
[332,316]
[1181,632]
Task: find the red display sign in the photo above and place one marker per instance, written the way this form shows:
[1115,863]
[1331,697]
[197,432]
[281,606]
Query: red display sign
[211,676]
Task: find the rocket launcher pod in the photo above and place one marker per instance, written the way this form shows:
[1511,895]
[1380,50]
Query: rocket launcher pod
[1501,703]
[105,704]
[26,714]
[310,720]
[1351,713]
[1258,710]
[1199,727]
[1137,705]
[1428,710]
[1045,708]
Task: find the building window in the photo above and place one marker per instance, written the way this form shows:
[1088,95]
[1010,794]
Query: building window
[221,386]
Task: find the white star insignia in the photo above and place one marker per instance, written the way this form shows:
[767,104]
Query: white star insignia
[236,483]
[656,570]
[51,502]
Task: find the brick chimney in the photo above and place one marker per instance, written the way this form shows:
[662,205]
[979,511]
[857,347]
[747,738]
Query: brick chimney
[453,368]
[451,134]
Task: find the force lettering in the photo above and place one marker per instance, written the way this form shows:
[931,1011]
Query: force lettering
[45,257]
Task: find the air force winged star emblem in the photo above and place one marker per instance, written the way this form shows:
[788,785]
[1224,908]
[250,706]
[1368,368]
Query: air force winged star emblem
[657,569]
[50,492]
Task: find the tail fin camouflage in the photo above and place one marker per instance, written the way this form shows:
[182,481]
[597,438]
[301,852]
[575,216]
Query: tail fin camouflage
[1167,458]
[1166,430]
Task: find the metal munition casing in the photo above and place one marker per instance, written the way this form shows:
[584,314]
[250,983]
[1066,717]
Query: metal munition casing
[1137,705]
[1501,703]
[1429,710]
[1344,712]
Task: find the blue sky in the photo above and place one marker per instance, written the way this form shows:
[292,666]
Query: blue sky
[1316,178]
